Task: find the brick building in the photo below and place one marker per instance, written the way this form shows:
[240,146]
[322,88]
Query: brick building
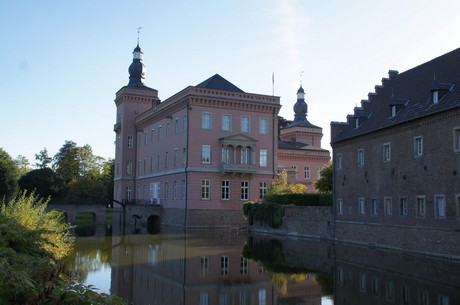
[397,162]
[205,150]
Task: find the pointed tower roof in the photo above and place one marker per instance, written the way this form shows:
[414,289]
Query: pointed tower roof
[136,69]
[300,111]
[217,82]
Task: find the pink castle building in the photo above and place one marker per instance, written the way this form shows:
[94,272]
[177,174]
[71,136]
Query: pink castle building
[200,153]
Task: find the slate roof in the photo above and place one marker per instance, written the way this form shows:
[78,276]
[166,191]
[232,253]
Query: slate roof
[411,93]
[298,146]
[305,123]
[217,82]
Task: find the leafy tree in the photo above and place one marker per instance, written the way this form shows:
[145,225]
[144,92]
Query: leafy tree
[66,161]
[324,183]
[43,158]
[43,181]
[23,165]
[281,185]
[9,175]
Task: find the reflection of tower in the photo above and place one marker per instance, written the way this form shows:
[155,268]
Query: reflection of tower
[131,100]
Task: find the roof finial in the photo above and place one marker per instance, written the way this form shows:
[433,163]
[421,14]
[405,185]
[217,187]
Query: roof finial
[301,75]
[138,32]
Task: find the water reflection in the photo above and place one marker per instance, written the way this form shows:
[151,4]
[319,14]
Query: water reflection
[227,268]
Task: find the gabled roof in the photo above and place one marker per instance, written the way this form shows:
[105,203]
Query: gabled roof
[217,82]
[411,91]
[238,138]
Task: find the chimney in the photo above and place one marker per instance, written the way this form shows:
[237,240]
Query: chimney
[392,73]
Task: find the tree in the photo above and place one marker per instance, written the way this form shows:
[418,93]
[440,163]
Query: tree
[23,165]
[43,181]
[66,162]
[281,185]
[9,175]
[324,183]
[43,158]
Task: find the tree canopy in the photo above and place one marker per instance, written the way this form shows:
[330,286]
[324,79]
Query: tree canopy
[324,183]
[9,175]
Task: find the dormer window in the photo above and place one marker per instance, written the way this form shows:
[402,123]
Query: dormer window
[435,97]
[393,110]
[356,123]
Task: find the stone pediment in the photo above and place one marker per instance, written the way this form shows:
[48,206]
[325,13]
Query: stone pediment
[238,139]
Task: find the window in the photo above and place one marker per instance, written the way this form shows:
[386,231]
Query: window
[361,206]
[204,266]
[166,185]
[435,97]
[182,189]
[159,132]
[152,136]
[245,156]
[263,158]
[176,125]
[129,167]
[386,152]
[205,189]
[167,129]
[418,146]
[245,124]
[243,265]
[175,157]
[146,137]
[118,168]
[226,122]
[339,206]
[139,139]
[175,190]
[223,298]
[405,295]
[158,162]
[184,155]
[390,291]
[263,126]
[184,122]
[128,193]
[130,141]
[388,206]
[340,275]
[318,173]
[443,300]
[224,265]
[375,286]
[166,159]
[393,110]
[423,297]
[306,172]
[225,190]
[338,163]
[439,206]
[262,296]
[362,283]
[375,206]
[263,189]
[457,139]
[203,298]
[152,161]
[420,206]
[361,157]
[206,120]
[206,154]
[244,190]
[225,155]
[402,206]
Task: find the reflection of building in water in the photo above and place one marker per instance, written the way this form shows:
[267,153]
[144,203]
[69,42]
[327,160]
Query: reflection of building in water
[300,289]
[367,276]
[150,270]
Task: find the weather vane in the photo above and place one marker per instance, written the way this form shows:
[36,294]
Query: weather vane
[301,75]
[138,32]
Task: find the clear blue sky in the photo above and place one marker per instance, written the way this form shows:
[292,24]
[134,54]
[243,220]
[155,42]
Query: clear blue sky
[61,62]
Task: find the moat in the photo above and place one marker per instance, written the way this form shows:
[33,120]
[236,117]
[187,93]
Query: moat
[231,267]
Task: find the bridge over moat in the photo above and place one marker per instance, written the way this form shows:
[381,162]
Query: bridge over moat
[137,215]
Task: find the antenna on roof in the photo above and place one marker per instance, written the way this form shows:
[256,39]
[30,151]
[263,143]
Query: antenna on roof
[273,83]
[138,32]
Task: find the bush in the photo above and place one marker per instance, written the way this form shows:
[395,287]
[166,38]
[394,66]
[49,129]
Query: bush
[266,213]
[324,199]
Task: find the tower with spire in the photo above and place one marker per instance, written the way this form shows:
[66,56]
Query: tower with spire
[131,100]
[299,148]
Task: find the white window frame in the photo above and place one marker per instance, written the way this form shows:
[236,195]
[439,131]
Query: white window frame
[388,205]
[205,189]
[244,190]
[130,141]
[339,165]
[403,206]
[374,206]
[224,265]
[206,120]
[174,189]
[340,206]
[129,193]
[263,158]
[204,266]
[362,283]
[418,146]
[387,152]
[176,125]
[166,186]
[263,189]
[244,266]
[245,156]
[306,172]
[263,125]
[225,191]
[183,189]
[206,154]
[420,206]
[362,206]
[439,201]
[129,167]
[456,135]
[226,122]
[361,157]
[245,124]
